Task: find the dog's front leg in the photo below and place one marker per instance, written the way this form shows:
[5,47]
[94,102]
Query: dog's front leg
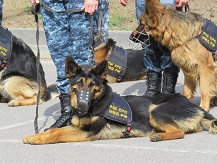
[189,85]
[206,86]
[59,135]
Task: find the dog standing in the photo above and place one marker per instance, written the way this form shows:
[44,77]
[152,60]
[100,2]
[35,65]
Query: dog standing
[182,33]
[101,114]
[18,77]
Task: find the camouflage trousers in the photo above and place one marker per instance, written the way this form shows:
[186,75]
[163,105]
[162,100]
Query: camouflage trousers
[1,8]
[157,58]
[67,34]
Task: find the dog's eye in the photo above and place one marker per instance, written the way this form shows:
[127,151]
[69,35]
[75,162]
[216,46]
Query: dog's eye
[92,84]
[80,82]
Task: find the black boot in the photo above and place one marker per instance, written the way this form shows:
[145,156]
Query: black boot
[66,112]
[169,82]
[153,83]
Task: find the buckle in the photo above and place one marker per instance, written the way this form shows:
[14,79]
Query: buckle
[127,130]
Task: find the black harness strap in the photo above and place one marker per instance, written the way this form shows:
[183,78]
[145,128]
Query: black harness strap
[61,11]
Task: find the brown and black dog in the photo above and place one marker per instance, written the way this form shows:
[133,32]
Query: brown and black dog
[18,77]
[185,34]
[101,114]
[132,61]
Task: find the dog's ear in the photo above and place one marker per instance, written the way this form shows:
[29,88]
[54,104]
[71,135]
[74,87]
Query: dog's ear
[71,67]
[154,11]
[101,69]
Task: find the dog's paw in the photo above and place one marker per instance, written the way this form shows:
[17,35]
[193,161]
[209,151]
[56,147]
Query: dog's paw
[13,103]
[34,140]
[155,137]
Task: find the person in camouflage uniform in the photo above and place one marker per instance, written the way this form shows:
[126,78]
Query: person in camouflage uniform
[157,58]
[67,34]
[1,9]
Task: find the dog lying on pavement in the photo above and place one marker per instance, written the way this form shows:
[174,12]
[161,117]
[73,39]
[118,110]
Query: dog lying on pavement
[192,41]
[18,76]
[101,114]
[124,64]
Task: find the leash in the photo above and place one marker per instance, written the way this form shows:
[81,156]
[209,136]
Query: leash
[35,11]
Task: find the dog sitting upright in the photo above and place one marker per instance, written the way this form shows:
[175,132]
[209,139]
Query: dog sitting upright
[100,113]
[192,42]
[18,73]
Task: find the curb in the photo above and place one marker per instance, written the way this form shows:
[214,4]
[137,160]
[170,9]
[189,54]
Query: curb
[28,35]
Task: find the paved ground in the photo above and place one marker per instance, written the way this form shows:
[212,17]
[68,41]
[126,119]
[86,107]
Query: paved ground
[17,122]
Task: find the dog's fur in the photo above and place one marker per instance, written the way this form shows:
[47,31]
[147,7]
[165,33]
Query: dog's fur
[178,31]
[162,117]
[18,80]
[135,69]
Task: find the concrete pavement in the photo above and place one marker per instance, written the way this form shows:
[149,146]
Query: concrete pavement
[17,122]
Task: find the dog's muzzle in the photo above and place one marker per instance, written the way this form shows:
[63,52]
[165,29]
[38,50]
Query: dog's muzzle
[84,99]
[139,40]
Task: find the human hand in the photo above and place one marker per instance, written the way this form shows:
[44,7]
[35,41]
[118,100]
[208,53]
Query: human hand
[123,2]
[32,1]
[90,6]
[181,3]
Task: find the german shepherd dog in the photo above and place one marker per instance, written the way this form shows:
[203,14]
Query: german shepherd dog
[101,114]
[181,33]
[135,68]
[18,77]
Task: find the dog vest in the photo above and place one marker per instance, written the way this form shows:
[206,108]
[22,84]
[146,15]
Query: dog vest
[208,36]
[5,46]
[119,111]
[117,63]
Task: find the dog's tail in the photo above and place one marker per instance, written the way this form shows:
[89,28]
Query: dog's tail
[209,123]
[50,93]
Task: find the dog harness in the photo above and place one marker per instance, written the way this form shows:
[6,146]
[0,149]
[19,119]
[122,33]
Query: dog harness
[208,37]
[5,46]
[119,111]
[117,63]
